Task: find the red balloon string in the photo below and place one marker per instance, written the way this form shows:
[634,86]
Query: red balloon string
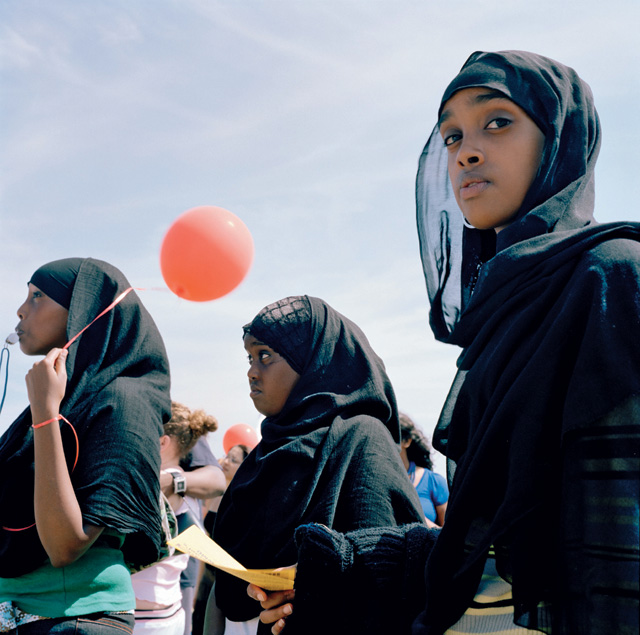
[116,301]
[75,462]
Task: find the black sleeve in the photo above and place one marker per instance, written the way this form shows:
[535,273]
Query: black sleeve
[368,581]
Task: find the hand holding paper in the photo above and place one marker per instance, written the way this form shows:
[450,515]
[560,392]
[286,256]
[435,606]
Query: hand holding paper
[197,544]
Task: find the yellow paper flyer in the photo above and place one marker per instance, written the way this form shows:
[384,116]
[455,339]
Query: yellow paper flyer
[197,544]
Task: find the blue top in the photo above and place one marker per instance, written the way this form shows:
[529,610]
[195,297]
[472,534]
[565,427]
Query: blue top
[433,491]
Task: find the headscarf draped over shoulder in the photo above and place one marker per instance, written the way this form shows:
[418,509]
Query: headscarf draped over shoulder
[117,398]
[331,454]
[560,199]
[548,315]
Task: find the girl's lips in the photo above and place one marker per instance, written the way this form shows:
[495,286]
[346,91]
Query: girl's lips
[473,189]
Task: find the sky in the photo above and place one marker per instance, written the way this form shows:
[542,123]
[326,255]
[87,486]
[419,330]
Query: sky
[305,119]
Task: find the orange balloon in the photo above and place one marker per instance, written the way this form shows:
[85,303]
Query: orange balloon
[206,253]
[240,434]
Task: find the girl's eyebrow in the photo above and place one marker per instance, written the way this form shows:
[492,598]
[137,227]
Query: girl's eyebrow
[481,98]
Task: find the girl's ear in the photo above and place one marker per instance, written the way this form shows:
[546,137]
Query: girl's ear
[405,443]
[165,440]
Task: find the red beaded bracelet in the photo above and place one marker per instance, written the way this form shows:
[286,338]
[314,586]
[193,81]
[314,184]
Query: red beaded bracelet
[47,422]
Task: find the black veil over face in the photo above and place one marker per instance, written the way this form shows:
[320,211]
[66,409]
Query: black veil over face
[560,198]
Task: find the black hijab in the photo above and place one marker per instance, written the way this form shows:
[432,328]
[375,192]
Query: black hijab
[57,279]
[339,371]
[308,466]
[537,311]
[117,398]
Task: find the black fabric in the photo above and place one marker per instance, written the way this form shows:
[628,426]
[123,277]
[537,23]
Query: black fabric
[199,456]
[57,278]
[330,456]
[548,316]
[117,399]
[288,323]
[372,578]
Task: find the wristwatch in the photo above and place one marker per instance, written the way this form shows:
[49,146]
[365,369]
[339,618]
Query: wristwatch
[179,480]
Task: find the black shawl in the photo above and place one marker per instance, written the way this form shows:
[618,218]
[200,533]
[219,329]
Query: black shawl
[117,399]
[330,456]
[548,316]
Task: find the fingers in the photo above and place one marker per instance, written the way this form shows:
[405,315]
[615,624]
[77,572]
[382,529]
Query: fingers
[55,359]
[276,604]
[277,628]
[256,593]
[276,616]
[47,381]
[60,365]
[271,599]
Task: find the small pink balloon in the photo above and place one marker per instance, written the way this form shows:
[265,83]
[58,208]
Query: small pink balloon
[240,434]
[206,253]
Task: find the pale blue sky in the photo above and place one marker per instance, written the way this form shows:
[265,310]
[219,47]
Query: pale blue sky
[304,118]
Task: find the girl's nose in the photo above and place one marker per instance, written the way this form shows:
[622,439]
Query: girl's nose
[469,154]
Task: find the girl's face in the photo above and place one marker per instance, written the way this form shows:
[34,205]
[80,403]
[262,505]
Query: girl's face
[494,150]
[231,462]
[271,379]
[43,323]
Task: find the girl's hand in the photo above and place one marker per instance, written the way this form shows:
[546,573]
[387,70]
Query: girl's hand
[276,604]
[46,384]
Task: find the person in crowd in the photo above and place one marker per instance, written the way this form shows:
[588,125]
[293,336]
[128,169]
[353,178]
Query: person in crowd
[541,427]
[431,487]
[329,448]
[229,464]
[215,621]
[157,588]
[79,491]
[203,480]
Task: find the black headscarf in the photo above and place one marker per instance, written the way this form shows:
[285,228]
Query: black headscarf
[57,279]
[117,398]
[330,456]
[537,311]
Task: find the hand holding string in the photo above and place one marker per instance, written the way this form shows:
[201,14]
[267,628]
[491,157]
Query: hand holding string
[46,384]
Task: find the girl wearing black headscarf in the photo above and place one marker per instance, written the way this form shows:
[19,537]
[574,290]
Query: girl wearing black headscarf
[329,450]
[79,496]
[541,427]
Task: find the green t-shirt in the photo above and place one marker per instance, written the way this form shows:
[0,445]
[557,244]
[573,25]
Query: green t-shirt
[97,582]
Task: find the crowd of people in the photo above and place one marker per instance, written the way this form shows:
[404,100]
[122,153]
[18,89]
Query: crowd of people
[536,526]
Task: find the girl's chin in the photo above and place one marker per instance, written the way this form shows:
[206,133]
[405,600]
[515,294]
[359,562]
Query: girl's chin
[485,219]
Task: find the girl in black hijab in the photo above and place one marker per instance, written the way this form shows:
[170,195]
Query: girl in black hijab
[329,451]
[541,427]
[79,496]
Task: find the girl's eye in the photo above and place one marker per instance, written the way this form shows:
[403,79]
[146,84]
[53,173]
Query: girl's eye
[498,122]
[262,356]
[450,139]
